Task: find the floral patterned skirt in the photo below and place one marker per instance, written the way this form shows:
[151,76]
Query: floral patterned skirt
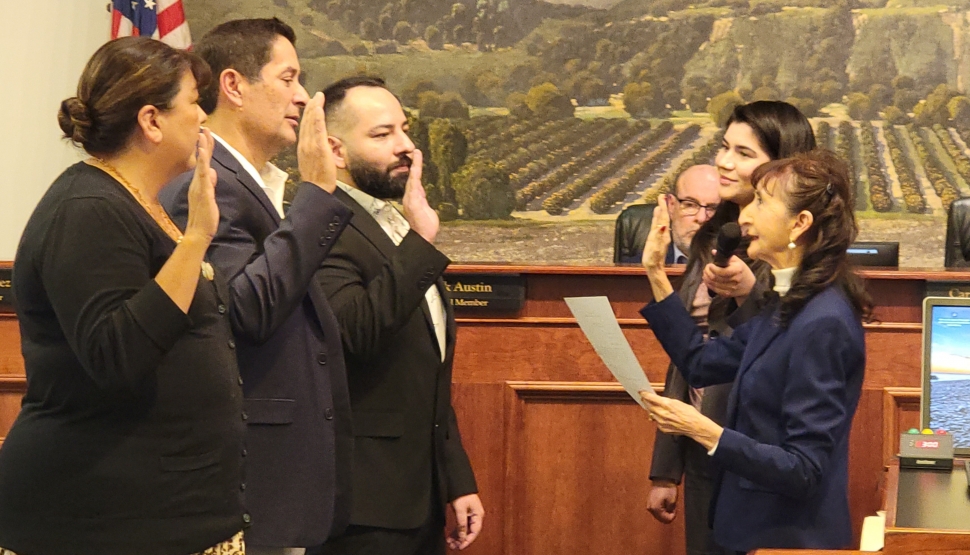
[232,546]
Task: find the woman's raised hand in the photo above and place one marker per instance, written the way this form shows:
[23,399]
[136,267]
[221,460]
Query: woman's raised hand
[203,219]
[658,241]
[655,251]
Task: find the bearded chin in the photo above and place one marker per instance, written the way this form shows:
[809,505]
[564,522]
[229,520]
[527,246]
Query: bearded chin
[377,183]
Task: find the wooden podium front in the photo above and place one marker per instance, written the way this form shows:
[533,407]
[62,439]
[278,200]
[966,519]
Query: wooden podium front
[927,511]
[561,453]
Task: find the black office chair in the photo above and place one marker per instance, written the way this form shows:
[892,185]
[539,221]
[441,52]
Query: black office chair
[956,250]
[632,228]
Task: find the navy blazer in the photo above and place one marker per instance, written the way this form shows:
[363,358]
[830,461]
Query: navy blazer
[299,440]
[636,257]
[784,451]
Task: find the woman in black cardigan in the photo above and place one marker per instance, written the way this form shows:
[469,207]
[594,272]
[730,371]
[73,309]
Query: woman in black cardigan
[130,436]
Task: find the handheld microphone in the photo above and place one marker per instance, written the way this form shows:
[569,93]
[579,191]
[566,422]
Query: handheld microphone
[728,239]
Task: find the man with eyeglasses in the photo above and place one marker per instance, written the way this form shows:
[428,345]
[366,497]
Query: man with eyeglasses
[693,202]
[679,459]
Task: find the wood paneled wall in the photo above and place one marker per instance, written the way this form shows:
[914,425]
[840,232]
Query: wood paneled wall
[561,453]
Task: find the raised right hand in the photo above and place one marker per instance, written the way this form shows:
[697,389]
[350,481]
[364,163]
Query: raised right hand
[655,248]
[662,501]
[203,217]
[313,154]
[420,216]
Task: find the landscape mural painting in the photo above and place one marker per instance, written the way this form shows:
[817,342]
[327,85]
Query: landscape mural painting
[541,120]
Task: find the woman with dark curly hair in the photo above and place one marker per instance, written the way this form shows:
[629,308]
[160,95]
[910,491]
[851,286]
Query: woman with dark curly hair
[796,368]
[130,437]
[755,133]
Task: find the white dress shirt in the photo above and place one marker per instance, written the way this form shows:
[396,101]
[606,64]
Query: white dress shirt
[680,257]
[396,227]
[270,179]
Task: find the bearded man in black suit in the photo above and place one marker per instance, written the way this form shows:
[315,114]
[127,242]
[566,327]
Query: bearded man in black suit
[383,280]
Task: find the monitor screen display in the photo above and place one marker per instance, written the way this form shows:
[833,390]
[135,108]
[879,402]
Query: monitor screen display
[874,253]
[946,368]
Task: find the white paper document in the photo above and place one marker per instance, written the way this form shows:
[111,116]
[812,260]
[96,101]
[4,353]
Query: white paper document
[596,319]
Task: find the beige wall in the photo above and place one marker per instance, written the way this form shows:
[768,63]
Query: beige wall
[44,47]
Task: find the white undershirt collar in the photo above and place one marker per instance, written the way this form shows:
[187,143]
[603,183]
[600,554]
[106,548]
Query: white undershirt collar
[271,179]
[783,280]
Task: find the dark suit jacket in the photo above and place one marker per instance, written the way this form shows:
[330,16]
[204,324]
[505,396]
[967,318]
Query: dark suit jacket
[668,258]
[299,439]
[679,457]
[785,447]
[405,429]
[129,436]
[671,454]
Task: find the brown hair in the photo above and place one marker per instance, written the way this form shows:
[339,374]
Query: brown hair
[336,93]
[123,76]
[782,131]
[818,182]
[245,45]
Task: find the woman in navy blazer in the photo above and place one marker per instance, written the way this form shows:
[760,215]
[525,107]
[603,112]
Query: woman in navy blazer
[796,369]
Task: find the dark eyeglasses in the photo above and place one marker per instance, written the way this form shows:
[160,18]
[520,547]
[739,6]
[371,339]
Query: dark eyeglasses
[690,207]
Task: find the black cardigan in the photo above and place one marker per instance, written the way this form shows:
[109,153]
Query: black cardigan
[130,436]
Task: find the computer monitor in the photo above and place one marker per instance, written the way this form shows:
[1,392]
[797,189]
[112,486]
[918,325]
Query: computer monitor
[874,253]
[945,403]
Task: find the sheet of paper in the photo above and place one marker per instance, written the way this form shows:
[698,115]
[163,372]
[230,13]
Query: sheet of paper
[873,532]
[596,319]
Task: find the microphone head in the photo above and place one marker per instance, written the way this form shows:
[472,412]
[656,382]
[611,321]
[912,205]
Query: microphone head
[729,238]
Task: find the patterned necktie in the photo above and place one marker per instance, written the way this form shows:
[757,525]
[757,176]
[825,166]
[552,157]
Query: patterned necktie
[696,397]
[393,222]
[397,227]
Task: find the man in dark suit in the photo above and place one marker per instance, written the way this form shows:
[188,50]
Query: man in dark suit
[691,203]
[677,458]
[297,408]
[383,279]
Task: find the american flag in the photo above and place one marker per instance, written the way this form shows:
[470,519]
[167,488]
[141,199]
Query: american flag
[160,19]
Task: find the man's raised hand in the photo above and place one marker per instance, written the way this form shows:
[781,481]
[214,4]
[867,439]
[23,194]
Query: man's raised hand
[420,215]
[313,153]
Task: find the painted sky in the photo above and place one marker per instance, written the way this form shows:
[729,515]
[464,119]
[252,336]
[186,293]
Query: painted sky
[951,331]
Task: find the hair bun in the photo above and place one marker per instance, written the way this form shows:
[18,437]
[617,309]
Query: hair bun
[74,119]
